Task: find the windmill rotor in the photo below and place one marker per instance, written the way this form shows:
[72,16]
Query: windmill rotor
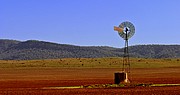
[124,26]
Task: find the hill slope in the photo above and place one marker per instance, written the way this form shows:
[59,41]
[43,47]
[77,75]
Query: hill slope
[32,49]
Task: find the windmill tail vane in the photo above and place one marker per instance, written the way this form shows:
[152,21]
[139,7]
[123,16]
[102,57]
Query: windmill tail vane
[118,29]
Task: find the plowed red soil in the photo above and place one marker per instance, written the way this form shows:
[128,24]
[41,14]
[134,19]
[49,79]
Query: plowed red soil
[31,81]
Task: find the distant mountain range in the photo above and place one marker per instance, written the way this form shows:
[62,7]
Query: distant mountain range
[33,49]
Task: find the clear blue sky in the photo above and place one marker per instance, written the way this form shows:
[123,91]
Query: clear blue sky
[90,22]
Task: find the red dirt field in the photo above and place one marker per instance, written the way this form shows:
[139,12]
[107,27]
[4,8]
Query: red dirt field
[31,81]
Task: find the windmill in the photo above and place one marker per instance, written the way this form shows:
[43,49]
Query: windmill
[125,30]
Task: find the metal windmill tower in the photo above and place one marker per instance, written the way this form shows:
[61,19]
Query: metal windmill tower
[126,30]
